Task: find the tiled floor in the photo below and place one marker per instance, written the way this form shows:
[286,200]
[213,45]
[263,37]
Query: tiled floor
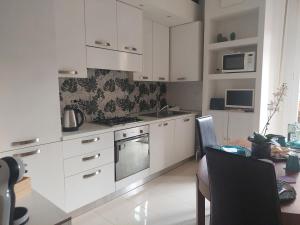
[167,200]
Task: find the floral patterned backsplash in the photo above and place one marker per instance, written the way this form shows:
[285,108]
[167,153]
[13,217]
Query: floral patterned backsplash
[107,94]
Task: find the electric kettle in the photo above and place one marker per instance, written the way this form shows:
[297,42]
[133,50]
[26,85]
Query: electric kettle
[73,119]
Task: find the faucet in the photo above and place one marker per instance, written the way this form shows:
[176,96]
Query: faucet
[166,107]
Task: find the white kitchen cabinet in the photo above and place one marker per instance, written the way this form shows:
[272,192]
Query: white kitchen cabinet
[231,126]
[147,72]
[45,168]
[70,38]
[161,145]
[161,52]
[113,60]
[89,186]
[186,52]
[240,125]
[220,119]
[101,23]
[184,146]
[156,53]
[29,93]
[130,28]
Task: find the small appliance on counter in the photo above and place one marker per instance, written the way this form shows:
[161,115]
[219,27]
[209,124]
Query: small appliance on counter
[11,171]
[72,120]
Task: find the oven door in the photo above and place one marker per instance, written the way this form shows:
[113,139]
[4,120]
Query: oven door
[132,155]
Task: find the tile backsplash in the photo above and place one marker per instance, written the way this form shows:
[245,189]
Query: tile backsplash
[107,94]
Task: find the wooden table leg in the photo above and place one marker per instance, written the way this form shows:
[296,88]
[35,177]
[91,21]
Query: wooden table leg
[200,205]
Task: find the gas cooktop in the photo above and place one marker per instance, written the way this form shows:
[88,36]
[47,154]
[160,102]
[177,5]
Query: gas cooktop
[117,121]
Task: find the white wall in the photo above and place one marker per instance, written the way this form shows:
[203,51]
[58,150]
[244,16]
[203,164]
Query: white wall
[186,95]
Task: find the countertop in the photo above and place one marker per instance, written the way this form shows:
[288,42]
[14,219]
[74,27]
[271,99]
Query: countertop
[43,212]
[90,129]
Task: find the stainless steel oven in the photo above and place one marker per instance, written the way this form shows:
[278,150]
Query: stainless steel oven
[132,153]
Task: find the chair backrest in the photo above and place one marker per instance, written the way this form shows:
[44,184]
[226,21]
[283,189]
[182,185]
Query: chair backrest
[243,190]
[206,133]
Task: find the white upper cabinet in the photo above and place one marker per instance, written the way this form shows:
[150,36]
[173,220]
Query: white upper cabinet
[101,23]
[161,52]
[147,73]
[130,28]
[186,52]
[29,93]
[70,38]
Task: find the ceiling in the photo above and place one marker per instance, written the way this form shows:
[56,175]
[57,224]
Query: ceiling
[168,12]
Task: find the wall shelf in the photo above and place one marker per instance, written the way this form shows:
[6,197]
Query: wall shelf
[234,44]
[232,76]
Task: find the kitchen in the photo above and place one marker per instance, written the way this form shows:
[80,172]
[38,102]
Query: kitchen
[87,103]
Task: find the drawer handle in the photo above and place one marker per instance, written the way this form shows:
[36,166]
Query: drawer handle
[90,141]
[86,176]
[181,78]
[161,78]
[68,72]
[27,154]
[103,43]
[91,157]
[186,120]
[26,142]
[130,48]
[166,124]
[145,78]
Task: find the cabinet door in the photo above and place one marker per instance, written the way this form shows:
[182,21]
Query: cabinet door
[70,38]
[186,52]
[240,125]
[101,23]
[220,119]
[45,168]
[161,52]
[161,145]
[184,138]
[147,73]
[130,28]
[29,93]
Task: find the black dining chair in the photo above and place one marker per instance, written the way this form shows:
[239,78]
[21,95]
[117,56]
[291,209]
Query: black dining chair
[206,134]
[243,190]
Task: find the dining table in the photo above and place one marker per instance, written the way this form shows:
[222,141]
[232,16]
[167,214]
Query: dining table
[290,211]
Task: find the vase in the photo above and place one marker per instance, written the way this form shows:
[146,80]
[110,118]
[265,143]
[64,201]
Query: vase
[261,151]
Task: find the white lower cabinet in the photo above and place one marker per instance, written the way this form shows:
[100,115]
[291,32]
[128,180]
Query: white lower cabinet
[161,145]
[184,138]
[45,168]
[171,141]
[89,186]
[231,126]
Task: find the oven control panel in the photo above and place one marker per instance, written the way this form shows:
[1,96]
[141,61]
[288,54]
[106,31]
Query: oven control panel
[131,132]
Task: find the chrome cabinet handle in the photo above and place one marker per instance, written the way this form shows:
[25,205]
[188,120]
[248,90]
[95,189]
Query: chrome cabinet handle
[103,43]
[90,141]
[181,78]
[130,48]
[166,124]
[86,176]
[91,157]
[26,154]
[145,78]
[68,72]
[26,142]
[161,78]
[186,120]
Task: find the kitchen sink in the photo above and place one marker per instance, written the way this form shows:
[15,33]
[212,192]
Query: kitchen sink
[165,114]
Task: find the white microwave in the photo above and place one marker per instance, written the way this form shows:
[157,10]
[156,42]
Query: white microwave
[239,62]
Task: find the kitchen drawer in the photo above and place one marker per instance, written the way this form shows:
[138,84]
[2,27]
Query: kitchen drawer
[89,186]
[88,144]
[89,161]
